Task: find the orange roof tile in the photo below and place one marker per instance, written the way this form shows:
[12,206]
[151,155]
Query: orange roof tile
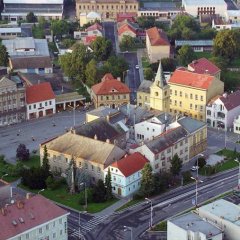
[39,92]
[124,28]
[89,39]
[191,79]
[109,85]
[130,164]
[157,37]
[95,26]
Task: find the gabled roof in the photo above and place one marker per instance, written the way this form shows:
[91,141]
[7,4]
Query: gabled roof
[95,26]
[39,92]
[130,164]
[231,101]
[157,37]
[203,65]
[190,79]
[190,124]
[89,39]
[145,86]
[34,211]
[109,85]
[6,82]
[126,27]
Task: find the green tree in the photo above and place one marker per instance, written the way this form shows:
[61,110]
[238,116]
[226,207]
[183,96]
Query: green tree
[168,64]
[42,22]
[220,62]
[102,48]
[148,74]
[99,192]
[201,162]
[60,27]
[226,44]
[185,55]
[45,160]
[176,165]
[3,56]
[22,153]
[126,43]
[147,181]
[91,73]
[31,18]
[108,185]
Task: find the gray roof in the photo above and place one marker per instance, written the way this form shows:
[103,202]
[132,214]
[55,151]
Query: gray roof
[99,128]
[166,139]
[85,148]
[145,86]
[190,124]
[103,111]
[179,43]
[165,118]
[40,47]
[191,222]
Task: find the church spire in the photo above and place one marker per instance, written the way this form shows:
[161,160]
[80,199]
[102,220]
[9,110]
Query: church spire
[160,78]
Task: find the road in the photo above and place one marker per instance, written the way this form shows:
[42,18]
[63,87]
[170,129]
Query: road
[164,206]
[41,129]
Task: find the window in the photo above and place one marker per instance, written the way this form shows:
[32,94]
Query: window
[45,103]
[40,230]
[60,232]
[196,107]
[201,108]
[80,164]
[190,105]
[180,104]
[34,106]
[186,149]
[201,98]
[54,235]
[65,227]
[92,168]
[107,97]
[156,166]
[175,102]
[27,236]
[180,94]
[29,107]
[175,92]
[196,97]
[156,94]
[191,96]
[124,97]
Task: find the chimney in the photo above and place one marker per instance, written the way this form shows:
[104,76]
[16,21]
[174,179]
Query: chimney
[206,71]
[28,195]
[95,136]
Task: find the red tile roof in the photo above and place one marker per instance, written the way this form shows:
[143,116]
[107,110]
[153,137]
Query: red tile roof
[39,92]
[130,164]
[203,65]
[109,85]
[191,79]
[34,211]
[129,16]
[89,39]
[157,37]
[125,28]
[231,101]
[95,26]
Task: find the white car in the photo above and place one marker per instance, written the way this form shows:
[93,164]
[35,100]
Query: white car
[137,66]
[194,168]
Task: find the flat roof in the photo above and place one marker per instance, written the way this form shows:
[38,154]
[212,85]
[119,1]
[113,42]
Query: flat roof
[223,209]
[204,2]
[194,42]
[192,222]
[33,1]
[10,30]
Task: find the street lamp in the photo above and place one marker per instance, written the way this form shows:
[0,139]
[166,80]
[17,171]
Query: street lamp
[41,190]
[4,175]
[236,160]
[85,188]
[151,212]
[74,109]
[79,220]
[199,155]
[126,228]
[196,191]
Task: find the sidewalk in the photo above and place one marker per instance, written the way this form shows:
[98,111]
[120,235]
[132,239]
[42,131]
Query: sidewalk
[111,209]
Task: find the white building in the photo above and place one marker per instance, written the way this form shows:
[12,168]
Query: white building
[191,226]
[225,215]
[233,16]
[40,100]
[236,125]
[196,7]
[10,32]
[126,174]
[33,218]
[152,127]
[15,10]
[222,110]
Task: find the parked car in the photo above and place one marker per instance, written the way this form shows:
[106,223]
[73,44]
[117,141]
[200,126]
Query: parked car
[137,66]
[194,168]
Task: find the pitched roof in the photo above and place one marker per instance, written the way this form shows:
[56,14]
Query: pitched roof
[99,128]
[157,37]
[95,26]
[191,79]
[6,82]
[166,139]
[123,16]
[85,148]
[34,211]
[203,65]
[190,124]
[145,86]
[39,92]
[231,101]
[130,164]
[124,28]
[89,39]
[109,85]
[160,79]
[31,62]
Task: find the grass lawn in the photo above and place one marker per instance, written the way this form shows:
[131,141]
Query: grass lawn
[145,62]
[5,169]
[34,161]
[61,195]
[162,226]
[128,204]
[203,54]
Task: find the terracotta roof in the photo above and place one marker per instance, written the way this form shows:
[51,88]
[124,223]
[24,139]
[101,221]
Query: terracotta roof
[157,37]
[203,65]
[126,27]
[231,101]
[109,85]
[191,79]
[95,26]
[130,164]
[31,62]
[89,39]
[39,92]
[123,16]
[34,211]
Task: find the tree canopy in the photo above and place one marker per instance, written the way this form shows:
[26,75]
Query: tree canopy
[147,181]
[22,153]
[91,73]
[31,18]
[185,55]
[176,165]
[60,27]
[3,56]
[108,185]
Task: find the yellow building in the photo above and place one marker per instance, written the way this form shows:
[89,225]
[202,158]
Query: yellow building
[157,44]
[143,94]
[190,92]
[110,92]
[107,8]
[160,92]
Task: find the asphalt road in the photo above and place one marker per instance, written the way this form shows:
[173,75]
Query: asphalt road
[164,206]
[109,33]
